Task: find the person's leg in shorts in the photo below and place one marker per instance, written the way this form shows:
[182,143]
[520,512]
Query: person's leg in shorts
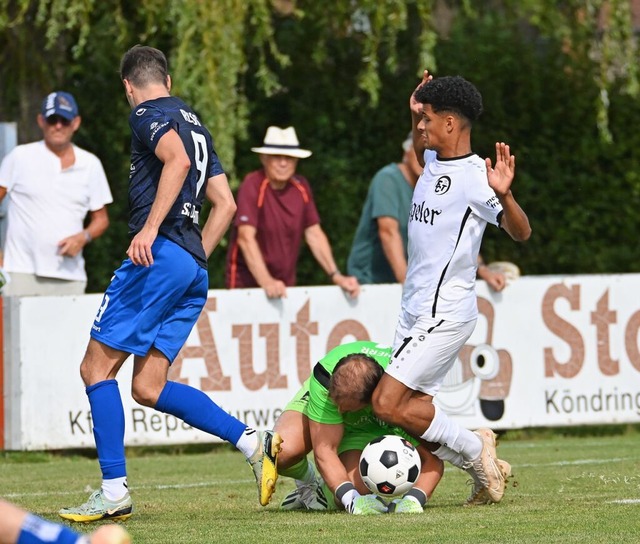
[149,312]
[425,349]
[311,492]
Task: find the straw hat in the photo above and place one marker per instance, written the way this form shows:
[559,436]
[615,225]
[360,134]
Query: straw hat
[282,141]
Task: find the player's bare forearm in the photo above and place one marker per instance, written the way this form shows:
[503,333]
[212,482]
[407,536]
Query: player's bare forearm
[514,221]
[416,109]
[221,215]
[393,247]
[171,180]
[325,440]
[170,150]
[217,224]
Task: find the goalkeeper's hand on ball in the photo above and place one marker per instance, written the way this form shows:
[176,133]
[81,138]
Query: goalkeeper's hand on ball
[366,505]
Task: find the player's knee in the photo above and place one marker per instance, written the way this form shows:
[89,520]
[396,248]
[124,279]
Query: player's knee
[90,374]
[85,373]
[383,406]
[144,394]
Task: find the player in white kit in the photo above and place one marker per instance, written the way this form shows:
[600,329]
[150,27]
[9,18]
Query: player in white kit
[455,197]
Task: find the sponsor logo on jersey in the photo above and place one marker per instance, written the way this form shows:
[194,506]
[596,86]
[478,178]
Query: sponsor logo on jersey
[140,111]
[190,210]
[373,352]
[191,117]
[443,184]
[154,130]
[493,202]
[423,213]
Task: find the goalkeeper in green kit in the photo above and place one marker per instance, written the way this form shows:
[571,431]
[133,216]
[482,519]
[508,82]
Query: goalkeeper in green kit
[331,415]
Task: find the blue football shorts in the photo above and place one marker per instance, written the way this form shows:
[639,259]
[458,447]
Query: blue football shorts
[153,306]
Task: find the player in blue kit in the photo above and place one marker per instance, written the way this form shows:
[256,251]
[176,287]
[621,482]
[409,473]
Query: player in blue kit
[17,526]
[157,294]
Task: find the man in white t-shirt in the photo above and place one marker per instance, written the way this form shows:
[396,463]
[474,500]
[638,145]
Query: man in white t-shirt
[52,185]
[455,197]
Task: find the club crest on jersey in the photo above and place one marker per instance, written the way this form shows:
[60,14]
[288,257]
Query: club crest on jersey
[442,185]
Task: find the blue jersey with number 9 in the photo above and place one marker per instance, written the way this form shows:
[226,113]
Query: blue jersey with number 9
[149,122]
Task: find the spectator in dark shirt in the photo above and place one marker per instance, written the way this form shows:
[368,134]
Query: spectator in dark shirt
[276,211]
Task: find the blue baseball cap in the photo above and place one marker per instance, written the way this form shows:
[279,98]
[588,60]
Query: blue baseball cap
[60,103]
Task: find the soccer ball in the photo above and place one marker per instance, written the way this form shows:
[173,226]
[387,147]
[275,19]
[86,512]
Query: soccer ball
[389,465]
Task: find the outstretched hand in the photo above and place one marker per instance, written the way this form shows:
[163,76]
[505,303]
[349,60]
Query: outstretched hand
[501,175]
[414,105]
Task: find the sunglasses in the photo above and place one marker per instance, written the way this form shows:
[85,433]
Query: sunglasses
[53,120]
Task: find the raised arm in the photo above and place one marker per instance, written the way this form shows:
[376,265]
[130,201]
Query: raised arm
[416,116]
[514,221]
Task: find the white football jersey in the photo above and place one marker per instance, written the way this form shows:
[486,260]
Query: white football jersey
[452,204]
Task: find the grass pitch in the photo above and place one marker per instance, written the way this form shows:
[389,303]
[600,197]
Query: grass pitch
[565,489]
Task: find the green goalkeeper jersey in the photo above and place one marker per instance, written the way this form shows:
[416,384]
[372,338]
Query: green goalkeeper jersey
[313,400]
[321,408]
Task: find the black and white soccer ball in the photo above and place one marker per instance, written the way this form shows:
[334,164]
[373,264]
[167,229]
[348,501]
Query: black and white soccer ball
[389,465]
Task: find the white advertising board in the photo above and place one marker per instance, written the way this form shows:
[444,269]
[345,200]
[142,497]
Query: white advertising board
[548,351]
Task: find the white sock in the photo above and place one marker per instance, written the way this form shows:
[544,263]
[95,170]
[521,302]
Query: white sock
[447,454]
[443,430]
[115,488]
[248,442]
[310,476]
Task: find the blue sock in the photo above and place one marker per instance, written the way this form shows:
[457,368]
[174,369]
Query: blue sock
[36,530]
[107,414]
[195,408]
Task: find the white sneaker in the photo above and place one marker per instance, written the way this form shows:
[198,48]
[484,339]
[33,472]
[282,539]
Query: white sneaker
[479,495]
[485,470]
[99,507]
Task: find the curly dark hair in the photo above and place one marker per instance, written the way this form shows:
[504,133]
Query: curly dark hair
[452,93]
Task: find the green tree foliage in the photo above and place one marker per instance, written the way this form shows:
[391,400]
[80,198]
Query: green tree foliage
[559,81]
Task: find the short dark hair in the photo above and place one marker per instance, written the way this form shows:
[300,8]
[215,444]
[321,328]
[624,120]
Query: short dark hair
[451,93]
[143,65]
[355,375]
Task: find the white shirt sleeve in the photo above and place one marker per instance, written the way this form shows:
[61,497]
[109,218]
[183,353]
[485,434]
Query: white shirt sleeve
[482,200]
[99,191]
[6,171]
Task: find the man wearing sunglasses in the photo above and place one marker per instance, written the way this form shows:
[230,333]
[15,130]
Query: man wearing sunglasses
[57,195]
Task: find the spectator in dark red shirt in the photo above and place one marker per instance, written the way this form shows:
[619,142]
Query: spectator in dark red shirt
[275,212]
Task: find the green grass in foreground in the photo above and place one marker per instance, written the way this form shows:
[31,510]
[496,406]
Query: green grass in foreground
[582,489]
